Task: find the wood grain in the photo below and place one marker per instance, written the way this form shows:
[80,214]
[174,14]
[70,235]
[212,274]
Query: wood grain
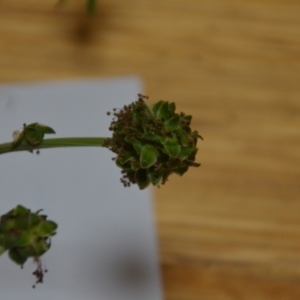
[231,228]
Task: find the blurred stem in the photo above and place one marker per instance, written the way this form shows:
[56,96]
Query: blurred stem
[91,7]
[54,143]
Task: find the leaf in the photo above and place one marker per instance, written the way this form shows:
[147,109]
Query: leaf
[154,137]
[27,251]
[42,247]
[156,106]
[47,228]
[172,107]
[136,143]
[10,240]
[34,133]
[124,159]
[138,115]
[46,129]
[184,138]
[186,118]
[15,256]
[172,147]
[163,111]
[155,180]
[180,171]
[172,123]
[24,239]
[185,152]
[21,210]
[142,179]
[22,222]
[34,219]
[148,156]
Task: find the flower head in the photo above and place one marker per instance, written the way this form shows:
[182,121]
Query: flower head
[26,234]
[152,143]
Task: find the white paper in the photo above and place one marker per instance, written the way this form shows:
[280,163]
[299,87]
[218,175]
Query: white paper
[105,247]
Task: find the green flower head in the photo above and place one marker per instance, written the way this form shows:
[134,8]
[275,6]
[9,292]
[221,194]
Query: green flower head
[24,235]
[152,143]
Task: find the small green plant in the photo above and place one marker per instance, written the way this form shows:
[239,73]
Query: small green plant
[150,143]
[25,234]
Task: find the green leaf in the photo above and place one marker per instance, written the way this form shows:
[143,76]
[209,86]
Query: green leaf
[129,140]
[41,247]
[148,156]
[6,223]
[47,228]
[186,129]
[124,159]
[15,256]
[156,107]
[172,108]
[184,138]
[172,123]
[181,171]
[28,251]
[138,115]
[142,179]
[34,133]
[186,118]
[22,222]
[45,129]
[172,147]
[24,239]
[154,137]
[21,210]
[153,177]
[34,219]
[10,240]
[163,111]
[137,144]
[185,152]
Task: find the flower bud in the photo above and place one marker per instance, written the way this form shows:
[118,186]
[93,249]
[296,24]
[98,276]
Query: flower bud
[152,143]
[25,234]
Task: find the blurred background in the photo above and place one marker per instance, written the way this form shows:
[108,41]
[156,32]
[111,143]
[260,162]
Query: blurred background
[231,228]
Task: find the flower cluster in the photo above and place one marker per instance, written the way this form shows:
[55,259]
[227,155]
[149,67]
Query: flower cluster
[25,234]
[152,143]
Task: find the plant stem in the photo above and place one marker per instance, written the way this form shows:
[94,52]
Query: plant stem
[54,143]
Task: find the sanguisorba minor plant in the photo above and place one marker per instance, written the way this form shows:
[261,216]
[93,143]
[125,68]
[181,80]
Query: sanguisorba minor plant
[150,144]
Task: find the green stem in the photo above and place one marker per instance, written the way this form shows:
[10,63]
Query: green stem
[55,143]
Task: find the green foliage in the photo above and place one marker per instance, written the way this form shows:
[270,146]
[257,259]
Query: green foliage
[25,234]
[152,143]
[32,134]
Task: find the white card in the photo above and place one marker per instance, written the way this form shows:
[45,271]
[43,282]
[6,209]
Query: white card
[106,246]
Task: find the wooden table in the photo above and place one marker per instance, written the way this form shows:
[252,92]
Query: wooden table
[231,228]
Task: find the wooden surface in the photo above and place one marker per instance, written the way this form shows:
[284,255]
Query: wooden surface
[231,228]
